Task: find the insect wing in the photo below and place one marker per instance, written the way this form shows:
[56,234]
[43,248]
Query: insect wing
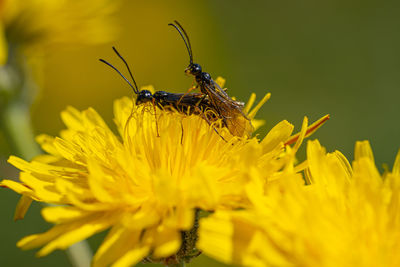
[219,90]
[192,99]
[230,111]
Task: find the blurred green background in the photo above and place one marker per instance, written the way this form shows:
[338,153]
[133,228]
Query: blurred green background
[315,57]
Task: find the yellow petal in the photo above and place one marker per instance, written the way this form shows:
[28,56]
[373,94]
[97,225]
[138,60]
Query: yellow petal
[279,134]
[363,149]
[310,130]
[122,111]
[301,135]
[167,242]
[396,165]
[42,189]
[64,235]
[249,103]
[100,182]
[118,242]
[220,81]
[47,144]
[36,240]
[17,187]
[215,234]
[254,111]
[22,207]
[69,151]
[132,257]
[345,164]
[40,168]
[257,123]
[62,214]
[72,118]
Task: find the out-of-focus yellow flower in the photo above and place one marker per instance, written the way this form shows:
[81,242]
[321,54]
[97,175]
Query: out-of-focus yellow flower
[147,189]
[348,216]
[3,46]
[37,25]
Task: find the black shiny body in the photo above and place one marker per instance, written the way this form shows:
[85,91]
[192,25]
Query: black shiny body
[227,109]
[190,103]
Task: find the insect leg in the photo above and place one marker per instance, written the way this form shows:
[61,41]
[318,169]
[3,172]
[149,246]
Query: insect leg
[155,115]
[187,92]
[204,117]
[182,133]
[200,100]
[126,129]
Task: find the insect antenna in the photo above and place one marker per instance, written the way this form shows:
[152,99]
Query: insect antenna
[127,66]
[185,38]
[130,84]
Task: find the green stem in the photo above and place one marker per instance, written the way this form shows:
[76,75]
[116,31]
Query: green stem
[18,130]
[80,254]
[17,127]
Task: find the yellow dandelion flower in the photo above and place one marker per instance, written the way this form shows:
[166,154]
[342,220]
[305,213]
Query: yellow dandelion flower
[35,25]
[145,189]
[348,216]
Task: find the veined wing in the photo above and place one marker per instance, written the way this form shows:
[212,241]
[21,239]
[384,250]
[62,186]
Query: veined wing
[192,99]
[225,94]
[187,99]
[222,101]
[229,110]
[219,90]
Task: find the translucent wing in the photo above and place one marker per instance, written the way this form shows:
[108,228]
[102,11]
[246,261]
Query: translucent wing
[190,99]
[229,110]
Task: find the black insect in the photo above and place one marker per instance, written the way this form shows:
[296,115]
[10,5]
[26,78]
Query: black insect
[191,103]
[161,99]
[227,109]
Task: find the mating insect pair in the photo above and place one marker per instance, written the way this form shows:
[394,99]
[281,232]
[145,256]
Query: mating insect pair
[212,97]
